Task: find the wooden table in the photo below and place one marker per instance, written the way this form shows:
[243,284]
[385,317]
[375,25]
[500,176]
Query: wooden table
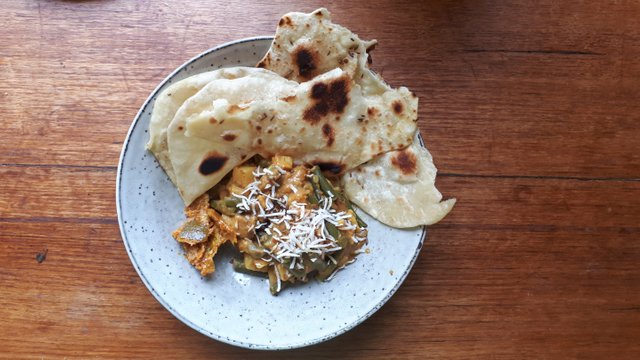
[531,111]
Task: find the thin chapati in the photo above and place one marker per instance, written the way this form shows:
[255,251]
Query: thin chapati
[164,109]
[326,121]
[306,45]
[398,188]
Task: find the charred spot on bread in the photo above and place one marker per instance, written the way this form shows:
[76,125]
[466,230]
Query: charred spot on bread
[397,107]
[329,133]
[285,21]
[229,137]
[212,163]
[405,161]
[331,97]
[330,166]
[305,61]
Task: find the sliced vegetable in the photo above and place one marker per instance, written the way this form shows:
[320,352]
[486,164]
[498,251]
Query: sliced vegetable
[313,264]
[312,198]
[275,285]
[226,206]
[332,230]
[342,241]
[298,273]
[242,175]
[284,162]
[360,222]
[329,190]
[238,265]
[325,185]
[252,249]
[255,264]
[192,232]
[326,272]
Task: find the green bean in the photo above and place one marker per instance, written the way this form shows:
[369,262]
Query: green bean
[297,273]
[314,185]
[314,264]
[329,190]
[254,250]
[360,222]
[343,256]
[332,230]
[238,266]
[232,202]
[325,185]
[342,241]
[273,282]
[267,241]
[324,274]
[225,206]
[312,198]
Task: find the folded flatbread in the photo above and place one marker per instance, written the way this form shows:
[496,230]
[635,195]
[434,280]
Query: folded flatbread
[397,188]
[314,98]
[307,45]
[327,121]
[164,109]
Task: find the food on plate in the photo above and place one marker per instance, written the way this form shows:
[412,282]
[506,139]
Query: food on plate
[398,189]
[202,234]
[322,121]
[269,159]
[288,222]
[164,109]
[306,45]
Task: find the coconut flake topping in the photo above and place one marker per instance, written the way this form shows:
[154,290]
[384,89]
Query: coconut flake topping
[303,230]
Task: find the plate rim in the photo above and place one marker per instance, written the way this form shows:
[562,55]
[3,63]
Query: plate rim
[166,305]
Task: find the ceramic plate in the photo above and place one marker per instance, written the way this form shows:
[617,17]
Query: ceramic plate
[231,307]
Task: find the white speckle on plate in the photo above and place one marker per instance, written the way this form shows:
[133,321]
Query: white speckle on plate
[242,279]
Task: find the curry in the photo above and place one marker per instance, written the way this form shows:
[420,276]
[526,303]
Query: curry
[288,223]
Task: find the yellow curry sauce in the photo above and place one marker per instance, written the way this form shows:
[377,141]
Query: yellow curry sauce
[288,222]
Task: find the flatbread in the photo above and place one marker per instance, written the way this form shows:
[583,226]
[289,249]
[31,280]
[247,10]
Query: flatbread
[326,121]
[341,115]
[398,188]
[164,109]
[306,45]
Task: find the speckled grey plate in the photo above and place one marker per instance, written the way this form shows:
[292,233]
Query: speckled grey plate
[231,307]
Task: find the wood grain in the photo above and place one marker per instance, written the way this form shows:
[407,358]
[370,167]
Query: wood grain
[530,108]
